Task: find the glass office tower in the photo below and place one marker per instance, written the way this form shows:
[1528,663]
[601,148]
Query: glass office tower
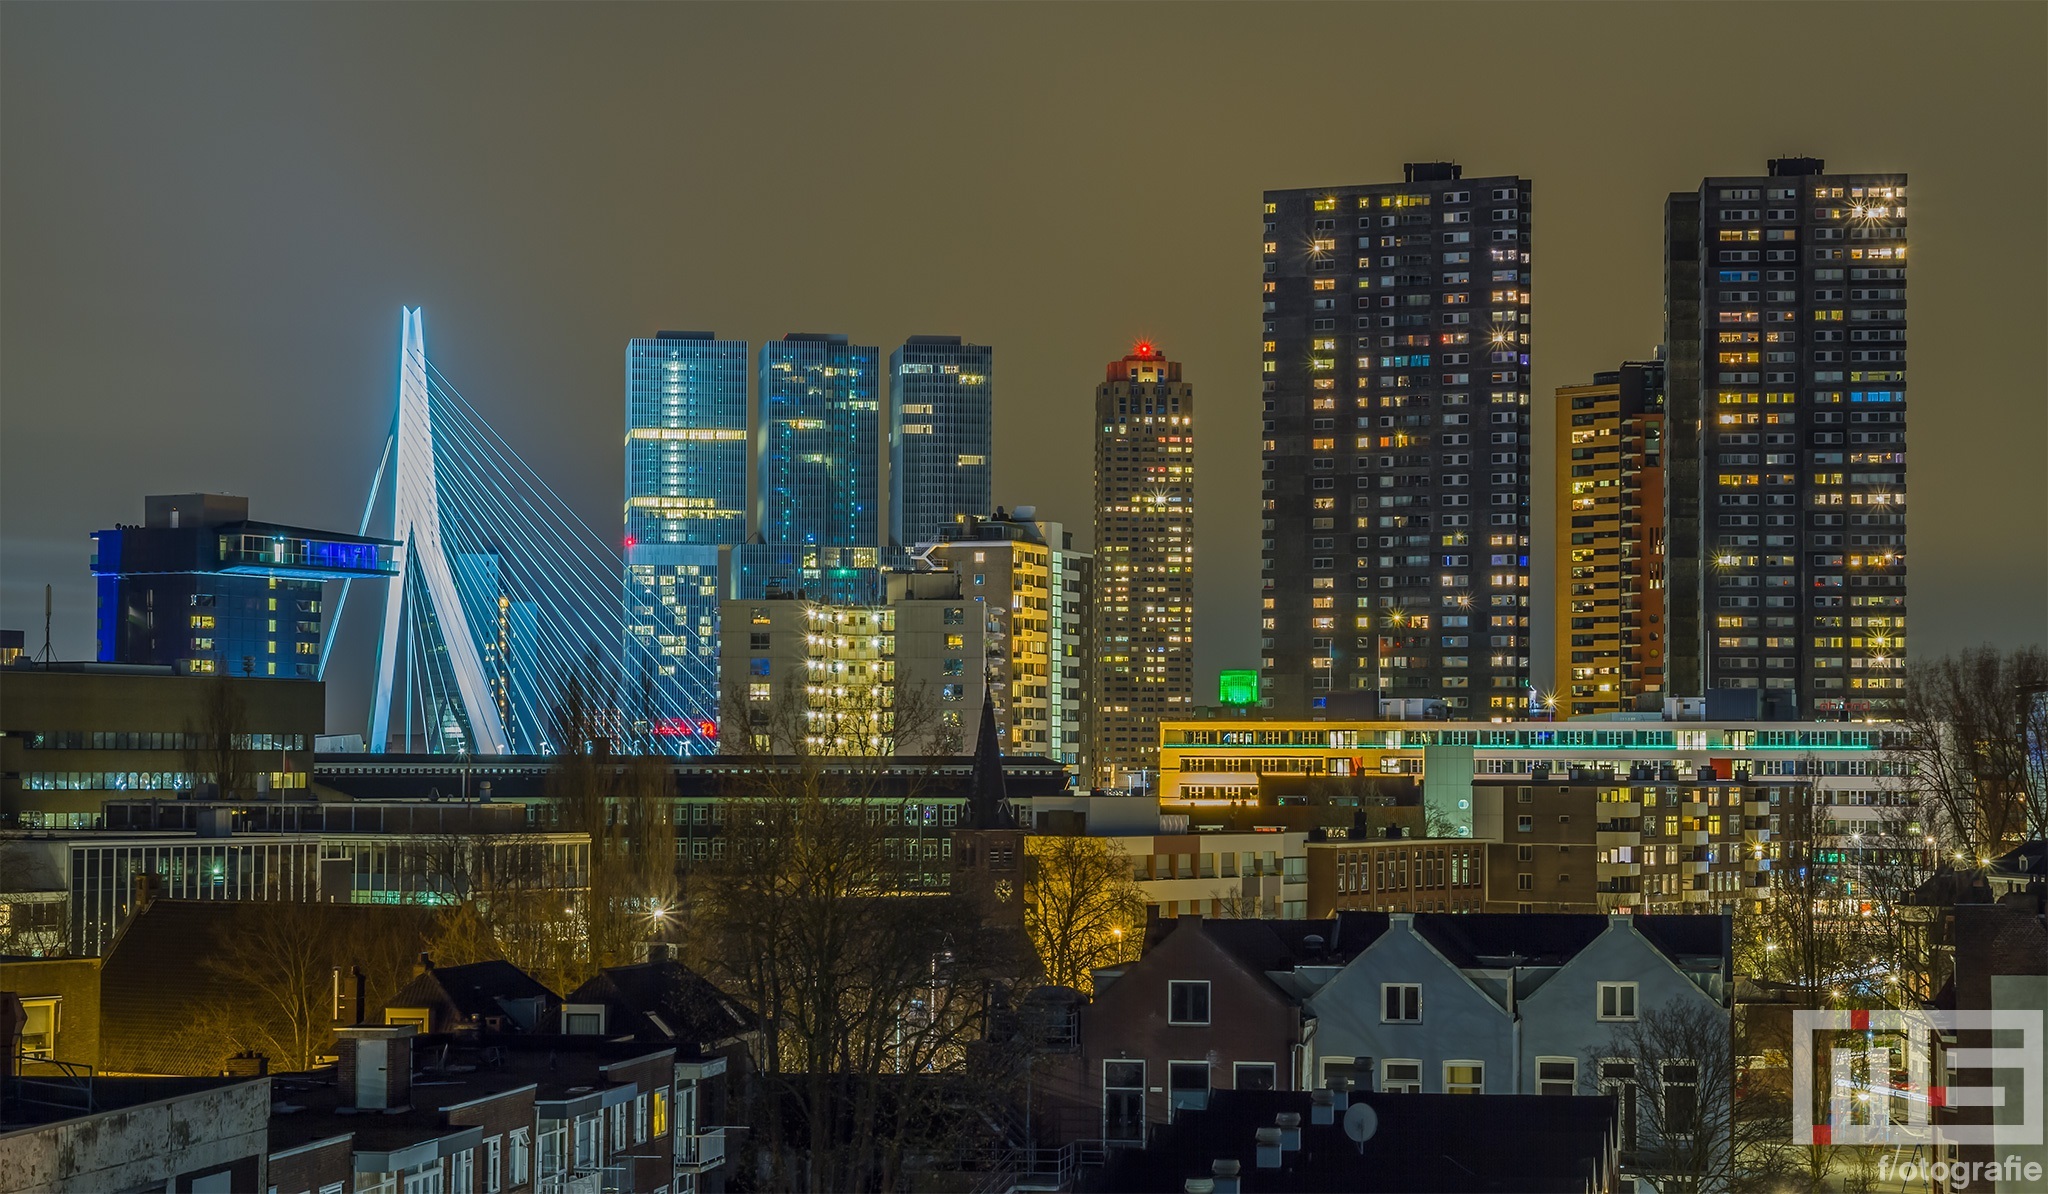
[686,496]
[940,426]
[818,442]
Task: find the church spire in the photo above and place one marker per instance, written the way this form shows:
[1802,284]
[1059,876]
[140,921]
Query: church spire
[988,806]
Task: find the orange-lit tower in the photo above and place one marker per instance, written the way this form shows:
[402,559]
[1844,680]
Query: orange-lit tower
[1145,561]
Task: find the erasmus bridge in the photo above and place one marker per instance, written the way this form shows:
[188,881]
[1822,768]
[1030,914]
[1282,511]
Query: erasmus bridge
[506,602]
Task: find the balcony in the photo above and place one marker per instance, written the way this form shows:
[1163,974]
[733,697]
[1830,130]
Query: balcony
[1608,839]
[1692,837]
[701,1152]
[1616,870]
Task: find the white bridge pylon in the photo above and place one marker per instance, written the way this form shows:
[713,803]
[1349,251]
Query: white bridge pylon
[423,561]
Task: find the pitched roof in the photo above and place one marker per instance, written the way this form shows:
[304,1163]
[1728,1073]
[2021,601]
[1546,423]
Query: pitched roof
[1481,939]
[664,1000]
[175,959]
[477,991]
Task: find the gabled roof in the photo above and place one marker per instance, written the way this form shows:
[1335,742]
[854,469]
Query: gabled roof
[1486,940]
[172,960]
[477,991]
[664,1000]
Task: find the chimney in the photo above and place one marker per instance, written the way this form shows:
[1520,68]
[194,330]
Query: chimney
[1289,1123]
[657,951]
[375,1071]
[349,992]
[1321,1107]
[246,1064]
[424,966]
[148,886]
[1226,1175]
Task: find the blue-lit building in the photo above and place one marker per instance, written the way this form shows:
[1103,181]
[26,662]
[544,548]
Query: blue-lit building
[940,432]
[686,497]
[200,587]
[817,448]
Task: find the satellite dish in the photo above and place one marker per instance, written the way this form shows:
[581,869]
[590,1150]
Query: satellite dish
[1360,1122]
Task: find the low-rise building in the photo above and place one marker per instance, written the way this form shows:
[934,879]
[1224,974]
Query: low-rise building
[74,735]
[512,1114]
[67,1132]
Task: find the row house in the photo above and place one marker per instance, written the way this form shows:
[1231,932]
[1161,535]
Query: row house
[402,1113]
[1394,1003]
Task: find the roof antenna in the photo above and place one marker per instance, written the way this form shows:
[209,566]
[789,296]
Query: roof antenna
[48,656]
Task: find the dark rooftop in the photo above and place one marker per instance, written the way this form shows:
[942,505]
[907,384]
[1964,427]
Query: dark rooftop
[1422,1144]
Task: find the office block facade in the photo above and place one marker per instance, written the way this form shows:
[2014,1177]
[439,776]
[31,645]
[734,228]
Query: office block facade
[941,428]
[1607,607]
[1786,321]
[1396,342]
[817,442]
[1032,583]
[201,588]
[1144,559]
[686,496]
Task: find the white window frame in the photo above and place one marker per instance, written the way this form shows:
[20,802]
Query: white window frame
[1387,989]
[1631,990]
[1237,1069]
[1475,1063]
[1143,1089]
[521,1147]
[1208,1083]
[1390,1085]
[494,1165]
[1571,1085]
[1208,1003]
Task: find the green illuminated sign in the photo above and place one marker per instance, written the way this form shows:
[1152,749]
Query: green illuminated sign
[1238,688]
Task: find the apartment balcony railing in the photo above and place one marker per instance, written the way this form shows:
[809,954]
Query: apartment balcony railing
[701,1151]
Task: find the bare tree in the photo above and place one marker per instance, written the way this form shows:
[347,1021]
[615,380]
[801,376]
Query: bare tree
[874,1050]
[1808,932]
[214,740]
[1972,719]
[1673,1068]
[626,808]
[1082,907]
[276,974]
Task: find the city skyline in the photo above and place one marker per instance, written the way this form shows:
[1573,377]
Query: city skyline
[260,287]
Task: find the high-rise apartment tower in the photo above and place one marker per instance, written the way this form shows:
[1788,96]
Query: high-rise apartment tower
[1396,448]
[940,427]
[1608,608]
[1785,317]
[1144,560]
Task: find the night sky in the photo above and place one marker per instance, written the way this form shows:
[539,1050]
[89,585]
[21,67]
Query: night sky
[210,217]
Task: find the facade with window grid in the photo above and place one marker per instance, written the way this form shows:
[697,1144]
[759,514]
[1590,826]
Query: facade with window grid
[1786,320]
[940,432]
[1607,612]
[1144,560]
[686,494]
[1396,486]
[817,443]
